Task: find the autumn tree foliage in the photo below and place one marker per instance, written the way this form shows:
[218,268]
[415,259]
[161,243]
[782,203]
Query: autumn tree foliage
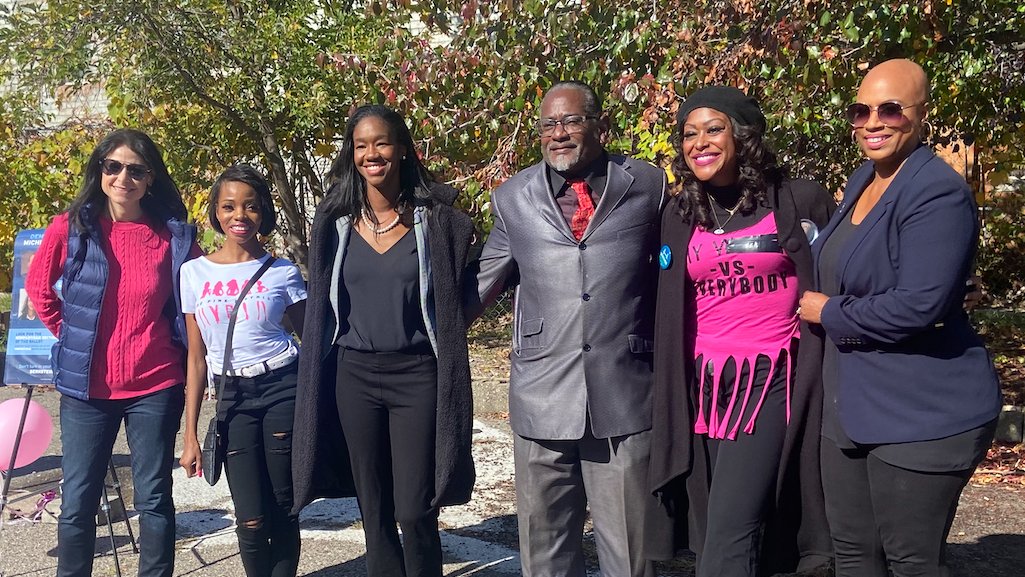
[273,82]
[213,82]
[802,59]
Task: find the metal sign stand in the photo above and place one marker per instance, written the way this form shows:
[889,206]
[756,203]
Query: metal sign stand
[105,507]
[115,484]
[7,473]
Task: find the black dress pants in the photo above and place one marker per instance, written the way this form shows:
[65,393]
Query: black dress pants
[884,518]
[386,405]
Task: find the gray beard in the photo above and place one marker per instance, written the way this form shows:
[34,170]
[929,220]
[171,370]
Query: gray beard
[564,162]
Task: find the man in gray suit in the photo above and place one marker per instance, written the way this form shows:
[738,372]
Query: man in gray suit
[577,235]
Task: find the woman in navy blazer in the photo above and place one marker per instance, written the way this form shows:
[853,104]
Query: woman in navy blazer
[910,393]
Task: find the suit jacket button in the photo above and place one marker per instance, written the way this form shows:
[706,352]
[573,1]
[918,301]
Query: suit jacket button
[583,246]
[586,297]
[587,348]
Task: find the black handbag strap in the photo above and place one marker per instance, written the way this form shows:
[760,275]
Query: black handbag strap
[231,323]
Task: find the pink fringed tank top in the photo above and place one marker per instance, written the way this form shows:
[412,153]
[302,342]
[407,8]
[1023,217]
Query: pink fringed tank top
[745,290]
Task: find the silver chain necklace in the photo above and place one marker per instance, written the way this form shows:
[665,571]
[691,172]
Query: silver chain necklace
[370,224]
[719,227]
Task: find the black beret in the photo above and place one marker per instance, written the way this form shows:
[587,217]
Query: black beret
[728,100]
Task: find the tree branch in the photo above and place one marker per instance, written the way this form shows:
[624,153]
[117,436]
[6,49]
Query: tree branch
[169,54]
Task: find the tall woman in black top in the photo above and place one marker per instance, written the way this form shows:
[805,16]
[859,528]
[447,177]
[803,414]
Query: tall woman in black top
[384,355]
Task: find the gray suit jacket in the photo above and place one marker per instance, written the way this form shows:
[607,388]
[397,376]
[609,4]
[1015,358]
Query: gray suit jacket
[584,312]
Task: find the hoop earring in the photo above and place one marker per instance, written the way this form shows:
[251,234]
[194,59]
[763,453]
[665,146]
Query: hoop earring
[854,135]
[928,129]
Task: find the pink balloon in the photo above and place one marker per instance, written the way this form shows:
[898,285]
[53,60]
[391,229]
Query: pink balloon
[35,437]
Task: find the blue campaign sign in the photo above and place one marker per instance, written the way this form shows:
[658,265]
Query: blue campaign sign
[28,340]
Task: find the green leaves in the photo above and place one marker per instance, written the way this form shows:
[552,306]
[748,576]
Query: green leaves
[217,82]
[850,31]
[41,172]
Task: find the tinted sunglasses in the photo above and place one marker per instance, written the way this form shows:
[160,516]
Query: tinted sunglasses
[112,167]
[889,113]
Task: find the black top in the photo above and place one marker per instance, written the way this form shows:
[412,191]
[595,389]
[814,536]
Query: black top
[383,294]
[953,453]
[721,198]
[829,286]
[596,175]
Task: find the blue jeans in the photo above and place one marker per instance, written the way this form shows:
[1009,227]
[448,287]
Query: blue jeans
[88,431]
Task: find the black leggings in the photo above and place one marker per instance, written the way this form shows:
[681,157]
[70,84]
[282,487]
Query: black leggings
[740,479]
[887,519]
[259,413]
[386,404]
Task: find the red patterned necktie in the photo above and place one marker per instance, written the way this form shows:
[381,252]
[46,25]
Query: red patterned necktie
[585,207]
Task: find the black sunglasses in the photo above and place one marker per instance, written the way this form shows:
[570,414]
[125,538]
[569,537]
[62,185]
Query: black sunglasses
[113,167]
[889,113]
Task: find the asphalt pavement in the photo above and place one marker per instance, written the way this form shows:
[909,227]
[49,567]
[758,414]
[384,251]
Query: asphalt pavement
[479,538]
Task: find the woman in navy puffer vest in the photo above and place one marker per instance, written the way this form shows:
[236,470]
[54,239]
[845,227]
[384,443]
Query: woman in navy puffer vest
[115,256]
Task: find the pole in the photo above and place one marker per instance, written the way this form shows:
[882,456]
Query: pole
[105,505]
[116,483]
[14,451]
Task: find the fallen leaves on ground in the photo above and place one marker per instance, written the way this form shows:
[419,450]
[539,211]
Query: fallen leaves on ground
[1003,464]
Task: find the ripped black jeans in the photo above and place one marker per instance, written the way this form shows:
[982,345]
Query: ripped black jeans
[259,413]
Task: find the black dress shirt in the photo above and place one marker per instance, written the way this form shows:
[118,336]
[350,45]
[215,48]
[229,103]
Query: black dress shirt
[596,175]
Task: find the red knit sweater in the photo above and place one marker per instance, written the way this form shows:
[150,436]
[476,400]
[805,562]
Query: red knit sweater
[134,353]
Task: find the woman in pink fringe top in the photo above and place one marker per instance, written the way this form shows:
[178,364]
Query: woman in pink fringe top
[734,435]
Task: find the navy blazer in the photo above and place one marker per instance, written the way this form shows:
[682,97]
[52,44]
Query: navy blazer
[911,367]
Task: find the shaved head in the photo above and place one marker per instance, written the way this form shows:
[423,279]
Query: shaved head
[888,143]
[900,72]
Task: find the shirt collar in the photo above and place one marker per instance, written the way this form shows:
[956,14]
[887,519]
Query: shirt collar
[595,174]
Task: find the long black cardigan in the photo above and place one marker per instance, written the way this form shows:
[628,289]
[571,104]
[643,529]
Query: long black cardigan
[797,529]
[320,460]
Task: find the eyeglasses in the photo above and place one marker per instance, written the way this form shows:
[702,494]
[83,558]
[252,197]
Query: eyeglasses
[889,113]
[113,167]
[572,124]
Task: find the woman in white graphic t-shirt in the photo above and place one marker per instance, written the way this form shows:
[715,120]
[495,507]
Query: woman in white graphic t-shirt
[258,400]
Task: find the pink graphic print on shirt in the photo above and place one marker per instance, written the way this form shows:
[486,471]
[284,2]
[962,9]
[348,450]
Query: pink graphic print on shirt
[212,311]
[745,307]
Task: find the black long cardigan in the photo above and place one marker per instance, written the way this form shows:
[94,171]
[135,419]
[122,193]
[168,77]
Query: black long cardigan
[320,460]
[797,529]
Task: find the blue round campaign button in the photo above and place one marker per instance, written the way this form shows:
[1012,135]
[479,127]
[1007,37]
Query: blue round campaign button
[665,257]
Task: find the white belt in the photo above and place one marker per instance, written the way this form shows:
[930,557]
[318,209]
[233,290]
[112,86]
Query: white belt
[280,360]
